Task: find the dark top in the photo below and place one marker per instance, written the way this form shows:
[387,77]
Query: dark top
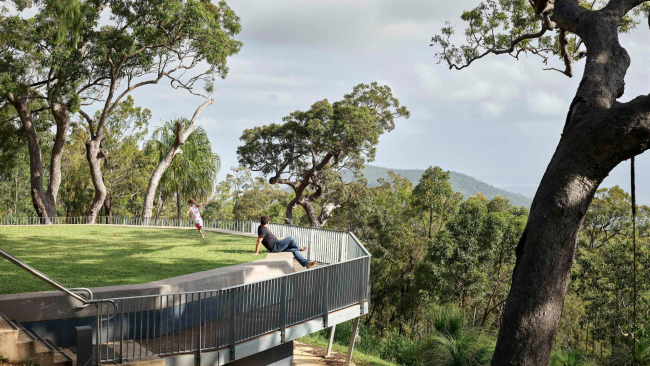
[268,239]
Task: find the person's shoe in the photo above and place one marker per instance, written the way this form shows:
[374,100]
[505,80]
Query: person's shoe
[302,249]
[310,264]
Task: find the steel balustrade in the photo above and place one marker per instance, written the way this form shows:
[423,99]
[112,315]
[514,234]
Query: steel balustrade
[192,322]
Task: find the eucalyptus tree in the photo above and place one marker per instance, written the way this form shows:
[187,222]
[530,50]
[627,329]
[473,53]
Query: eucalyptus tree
[41,67]
[434,197]
[599,133]
[193,171]
[186,42]
[307,151]
[126,129]
[60,59]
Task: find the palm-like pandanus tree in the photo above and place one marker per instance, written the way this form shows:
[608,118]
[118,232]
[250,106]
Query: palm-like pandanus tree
[193,170]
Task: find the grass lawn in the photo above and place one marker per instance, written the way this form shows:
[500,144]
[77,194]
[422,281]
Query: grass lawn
[92,256]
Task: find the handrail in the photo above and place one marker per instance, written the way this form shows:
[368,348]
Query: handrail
[40,275]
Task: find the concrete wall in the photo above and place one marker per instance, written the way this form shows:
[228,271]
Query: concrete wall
[281,355]
[54,305]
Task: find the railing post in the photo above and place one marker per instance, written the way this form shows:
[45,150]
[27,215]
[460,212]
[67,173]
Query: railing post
[325,297]
[311,242]
[198,349]
[284,284]
[362,284]
[233,323]
[121,332]
[98,340]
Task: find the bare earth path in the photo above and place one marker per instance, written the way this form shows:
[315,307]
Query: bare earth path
[308,355]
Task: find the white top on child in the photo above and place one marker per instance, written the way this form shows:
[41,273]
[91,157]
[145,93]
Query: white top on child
[196,215]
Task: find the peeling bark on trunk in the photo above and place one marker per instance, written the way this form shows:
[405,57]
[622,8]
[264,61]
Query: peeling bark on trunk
[182,134]
[44,201]
[95,155]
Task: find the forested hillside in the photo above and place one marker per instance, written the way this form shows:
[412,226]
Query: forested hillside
[459,182]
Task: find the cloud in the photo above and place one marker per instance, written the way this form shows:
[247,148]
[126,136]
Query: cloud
[546,104]
[490,108]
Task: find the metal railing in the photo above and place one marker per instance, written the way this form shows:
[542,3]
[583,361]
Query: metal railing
[193,322]
[137,327]
[43,277]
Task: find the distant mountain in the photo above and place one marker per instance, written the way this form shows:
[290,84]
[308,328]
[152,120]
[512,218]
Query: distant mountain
[459,182]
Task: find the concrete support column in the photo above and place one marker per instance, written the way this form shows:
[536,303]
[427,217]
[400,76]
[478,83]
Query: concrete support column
[353,339]
[331,342]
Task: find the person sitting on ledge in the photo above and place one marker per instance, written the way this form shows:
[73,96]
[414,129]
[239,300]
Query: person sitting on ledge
[273,245]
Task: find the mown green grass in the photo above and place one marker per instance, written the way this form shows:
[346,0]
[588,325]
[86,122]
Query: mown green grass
[359,358]
[92,256]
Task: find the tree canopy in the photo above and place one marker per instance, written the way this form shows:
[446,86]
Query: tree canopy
[311,147]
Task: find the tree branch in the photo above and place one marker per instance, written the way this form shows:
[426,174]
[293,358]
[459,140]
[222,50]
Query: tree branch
[91,126]
[621,7]
[564,49]
[513,44]
[195,117]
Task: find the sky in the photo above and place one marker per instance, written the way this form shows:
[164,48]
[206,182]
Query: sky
[499,120]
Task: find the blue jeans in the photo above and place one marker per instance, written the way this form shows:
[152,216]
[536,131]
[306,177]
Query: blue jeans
[289,244]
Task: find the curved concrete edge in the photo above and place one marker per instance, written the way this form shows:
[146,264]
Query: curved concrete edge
[53,305]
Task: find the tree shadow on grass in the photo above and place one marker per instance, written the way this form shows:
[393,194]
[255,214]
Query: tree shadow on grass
[95,256]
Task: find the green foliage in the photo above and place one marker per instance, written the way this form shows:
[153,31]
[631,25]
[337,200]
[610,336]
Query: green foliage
[310,147]
[447,320]
[569,357]
[517,28]
[434,197]
[452,344]
[627,354]
[194,169]
[346,131]
[125,131]
[260,199]
[603,272]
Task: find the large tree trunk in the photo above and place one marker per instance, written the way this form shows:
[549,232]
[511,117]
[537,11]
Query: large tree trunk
[599,134]
[44,201]
[182,134]
[108,209]
[62,119]
[95,155]
[288,215]
[315,220]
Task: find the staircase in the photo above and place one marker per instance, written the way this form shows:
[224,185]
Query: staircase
[20,345]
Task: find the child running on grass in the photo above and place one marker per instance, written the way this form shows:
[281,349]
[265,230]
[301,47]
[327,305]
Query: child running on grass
[196,215]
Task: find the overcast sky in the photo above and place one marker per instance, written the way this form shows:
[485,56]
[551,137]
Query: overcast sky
[499,121]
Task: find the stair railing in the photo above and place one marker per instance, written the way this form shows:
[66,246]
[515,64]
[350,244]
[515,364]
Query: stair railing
[43,277]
